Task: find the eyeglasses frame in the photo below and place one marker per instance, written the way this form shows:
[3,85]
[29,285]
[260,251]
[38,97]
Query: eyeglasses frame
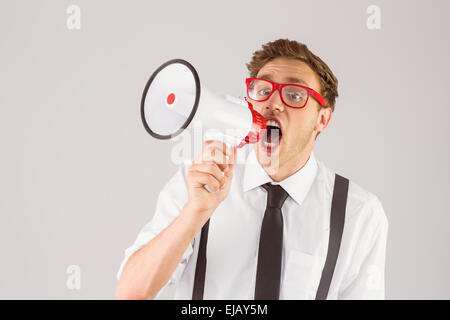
[280,86]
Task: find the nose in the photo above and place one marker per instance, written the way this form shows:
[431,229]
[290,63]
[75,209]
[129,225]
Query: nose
[275,102]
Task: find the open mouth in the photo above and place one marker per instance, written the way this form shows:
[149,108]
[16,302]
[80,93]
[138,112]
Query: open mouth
[272,137]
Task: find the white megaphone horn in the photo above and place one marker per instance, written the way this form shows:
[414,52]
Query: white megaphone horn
[173,98]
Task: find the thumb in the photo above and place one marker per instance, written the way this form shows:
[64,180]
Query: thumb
[230,166]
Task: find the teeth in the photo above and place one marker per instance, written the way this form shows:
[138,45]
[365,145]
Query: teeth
[269,144]
[272,123]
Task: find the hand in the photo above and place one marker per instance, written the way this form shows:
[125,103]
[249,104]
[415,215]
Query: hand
[211,168]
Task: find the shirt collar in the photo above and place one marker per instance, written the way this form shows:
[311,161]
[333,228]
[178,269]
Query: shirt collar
[296,185]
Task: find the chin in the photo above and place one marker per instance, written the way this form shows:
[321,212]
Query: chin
[269,155]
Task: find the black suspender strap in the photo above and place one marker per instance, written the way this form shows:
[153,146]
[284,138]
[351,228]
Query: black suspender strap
[200,268]
[337,219]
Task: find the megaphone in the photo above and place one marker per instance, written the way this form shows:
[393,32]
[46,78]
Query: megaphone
[173,99]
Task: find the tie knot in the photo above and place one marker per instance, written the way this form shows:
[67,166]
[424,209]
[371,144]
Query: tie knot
[276,195]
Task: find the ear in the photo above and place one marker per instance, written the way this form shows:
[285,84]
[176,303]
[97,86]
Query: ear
[323,119]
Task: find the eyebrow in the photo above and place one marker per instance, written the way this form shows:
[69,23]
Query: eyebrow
[288,80]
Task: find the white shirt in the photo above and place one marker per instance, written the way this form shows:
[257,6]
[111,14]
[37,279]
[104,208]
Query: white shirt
[234,231]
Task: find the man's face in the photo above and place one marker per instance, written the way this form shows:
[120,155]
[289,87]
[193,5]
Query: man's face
[298,126]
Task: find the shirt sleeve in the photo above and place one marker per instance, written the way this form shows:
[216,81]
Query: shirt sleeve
[365,278]
[171,200]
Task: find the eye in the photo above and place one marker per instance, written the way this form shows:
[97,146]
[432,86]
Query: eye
[264,92]
[294,96]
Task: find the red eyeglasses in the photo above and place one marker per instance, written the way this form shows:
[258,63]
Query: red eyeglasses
[292,95]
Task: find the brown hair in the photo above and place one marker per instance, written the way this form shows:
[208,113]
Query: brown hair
[284,48]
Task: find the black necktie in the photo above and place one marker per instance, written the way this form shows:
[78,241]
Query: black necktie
[268,273]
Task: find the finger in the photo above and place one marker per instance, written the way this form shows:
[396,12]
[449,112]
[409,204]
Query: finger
[200,179]
[218,146]
[219,155]
[233,155]
[230,166]
[211,168]
[218,159]
[215,151]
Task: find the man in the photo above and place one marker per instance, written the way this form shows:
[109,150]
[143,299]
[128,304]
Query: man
[263,232]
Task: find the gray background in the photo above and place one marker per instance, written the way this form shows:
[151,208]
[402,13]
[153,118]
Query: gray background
[79,175]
